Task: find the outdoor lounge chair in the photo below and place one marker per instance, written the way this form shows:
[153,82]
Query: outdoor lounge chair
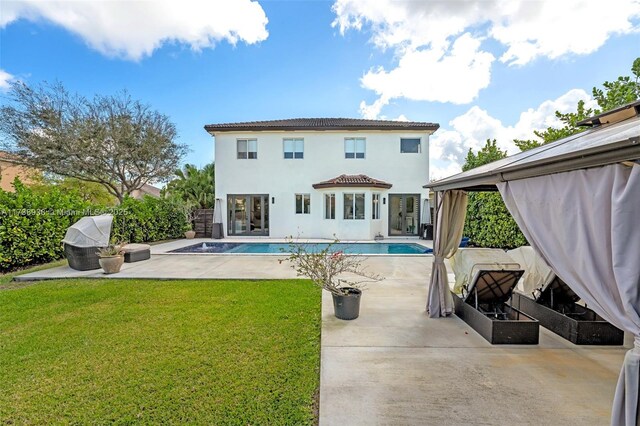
[83,239]
[546,297]
[485,279]
[484,306]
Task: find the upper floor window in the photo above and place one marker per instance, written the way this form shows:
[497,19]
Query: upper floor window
[375,206]
[354,147]
[293,148]
[410,145]
[354,206]
[329,206]
[303,204]
[247,149]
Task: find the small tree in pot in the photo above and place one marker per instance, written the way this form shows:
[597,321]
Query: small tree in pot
[341,274]
[190,215]
[111,257]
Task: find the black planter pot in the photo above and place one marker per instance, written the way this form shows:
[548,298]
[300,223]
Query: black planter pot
[347,306]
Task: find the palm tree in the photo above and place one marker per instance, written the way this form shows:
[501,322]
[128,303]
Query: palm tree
[194,186]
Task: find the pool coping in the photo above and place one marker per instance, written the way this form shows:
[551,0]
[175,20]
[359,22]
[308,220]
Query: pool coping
[166,248]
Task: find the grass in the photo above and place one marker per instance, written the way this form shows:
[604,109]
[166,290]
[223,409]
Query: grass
[5,279]
[125,351]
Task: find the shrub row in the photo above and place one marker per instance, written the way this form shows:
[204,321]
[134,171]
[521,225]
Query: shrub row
[33,224]
[489,223]
[152,219]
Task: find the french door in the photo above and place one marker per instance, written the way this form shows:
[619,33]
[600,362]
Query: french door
[404,214]
[248,214]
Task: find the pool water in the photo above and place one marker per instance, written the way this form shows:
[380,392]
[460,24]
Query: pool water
[277,248]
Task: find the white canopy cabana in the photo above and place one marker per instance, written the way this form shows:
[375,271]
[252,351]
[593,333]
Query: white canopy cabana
[90,231]
[577,201]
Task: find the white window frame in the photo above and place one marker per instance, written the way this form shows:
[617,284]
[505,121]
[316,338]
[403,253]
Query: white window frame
[375,206]
[353,206]
[248,145]
[357,150]
[304,208]
[330,202]
[412,139]
[298,148]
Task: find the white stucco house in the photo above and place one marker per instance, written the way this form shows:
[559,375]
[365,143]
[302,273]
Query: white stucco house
[320,177]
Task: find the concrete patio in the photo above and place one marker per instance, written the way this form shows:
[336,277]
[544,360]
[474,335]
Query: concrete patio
[393,365]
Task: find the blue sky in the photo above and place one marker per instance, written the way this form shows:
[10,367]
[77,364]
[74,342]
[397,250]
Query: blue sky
[474,71]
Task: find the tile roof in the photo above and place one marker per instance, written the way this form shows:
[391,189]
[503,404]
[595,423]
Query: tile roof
[352,180]
[322,124]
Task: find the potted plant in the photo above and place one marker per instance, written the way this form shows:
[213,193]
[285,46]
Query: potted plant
[327,269]
[190,215]
[111,258]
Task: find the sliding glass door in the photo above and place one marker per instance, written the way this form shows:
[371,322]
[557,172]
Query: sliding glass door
[404,214]
[248,214]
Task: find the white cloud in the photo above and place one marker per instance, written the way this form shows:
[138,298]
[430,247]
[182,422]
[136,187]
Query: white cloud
[5,80]
[449,147]
[438,44]
[134,29]
[555,28]
[371,112]
[455,75]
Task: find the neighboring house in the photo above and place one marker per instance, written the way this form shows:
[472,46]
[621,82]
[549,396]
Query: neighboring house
[320,177]
[146,189]
[10,169]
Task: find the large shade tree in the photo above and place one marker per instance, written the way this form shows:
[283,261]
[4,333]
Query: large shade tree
[114,141]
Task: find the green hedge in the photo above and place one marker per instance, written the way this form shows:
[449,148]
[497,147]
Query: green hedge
[489,223]
[152,219]
[33,223]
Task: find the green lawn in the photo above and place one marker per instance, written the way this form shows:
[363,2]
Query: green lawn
[124,351]
[5,279]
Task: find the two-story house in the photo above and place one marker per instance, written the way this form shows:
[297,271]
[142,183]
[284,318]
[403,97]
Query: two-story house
[320,177]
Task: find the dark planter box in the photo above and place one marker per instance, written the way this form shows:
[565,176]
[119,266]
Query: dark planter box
[517,328]
[578,324]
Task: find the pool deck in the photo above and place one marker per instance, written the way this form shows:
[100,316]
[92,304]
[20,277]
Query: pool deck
[166,265]
[395,366]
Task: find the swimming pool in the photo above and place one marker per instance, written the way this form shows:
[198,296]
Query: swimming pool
[279,248]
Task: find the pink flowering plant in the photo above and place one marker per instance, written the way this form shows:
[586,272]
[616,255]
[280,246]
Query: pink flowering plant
[330,269]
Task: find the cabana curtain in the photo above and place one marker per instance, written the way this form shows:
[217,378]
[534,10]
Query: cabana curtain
[451,213]
[586,226]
